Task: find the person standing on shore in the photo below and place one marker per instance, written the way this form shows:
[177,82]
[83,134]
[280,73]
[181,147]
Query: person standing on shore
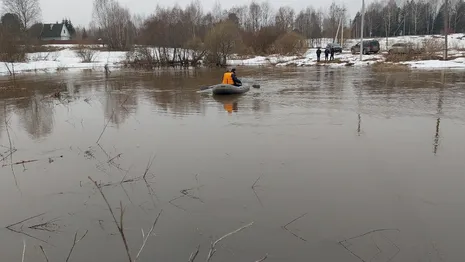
[318,54]
[326,54]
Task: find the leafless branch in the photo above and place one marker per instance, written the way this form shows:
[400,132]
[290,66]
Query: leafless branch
[394,244]
[213,245]
[118,225]
[28,11]
[105,127]
[147,236]
[253,186]
[24,220]
[263,258]
[194,254]
[24,250]
[342,243]
[26,234]
[44,226]
[255,192]
[113,158]
[185,193]
[369,232]
[149,165]
[285,227]
[350,251]
[12,150]
[75,241]
[43,252]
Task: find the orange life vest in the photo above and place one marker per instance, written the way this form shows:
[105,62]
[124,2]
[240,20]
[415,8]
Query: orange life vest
[228,107]
[227,78]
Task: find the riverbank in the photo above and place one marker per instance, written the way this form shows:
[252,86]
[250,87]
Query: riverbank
[68,59]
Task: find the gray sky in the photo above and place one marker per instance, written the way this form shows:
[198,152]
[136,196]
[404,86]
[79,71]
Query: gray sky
[80,11]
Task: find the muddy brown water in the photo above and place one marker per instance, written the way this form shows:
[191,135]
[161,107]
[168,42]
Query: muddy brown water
[372,163]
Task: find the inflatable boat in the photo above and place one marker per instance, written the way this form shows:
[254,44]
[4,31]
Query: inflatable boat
[224,89]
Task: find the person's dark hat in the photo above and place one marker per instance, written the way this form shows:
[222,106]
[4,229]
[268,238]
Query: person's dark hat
[233,70]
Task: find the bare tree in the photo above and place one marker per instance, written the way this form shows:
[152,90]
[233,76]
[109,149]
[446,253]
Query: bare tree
[11,49]
[241,13]
[254,17]
[222,41]
[285,19]
[28,11]
[115,23]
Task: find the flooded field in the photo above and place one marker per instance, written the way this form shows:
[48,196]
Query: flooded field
[329,165]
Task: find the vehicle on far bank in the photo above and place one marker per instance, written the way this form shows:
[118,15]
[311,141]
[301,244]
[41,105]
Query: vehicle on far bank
[405,48]
[336,47]
[369,47]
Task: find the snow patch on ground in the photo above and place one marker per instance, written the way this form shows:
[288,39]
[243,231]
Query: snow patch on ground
[63,59]
[458,63]
[67,58]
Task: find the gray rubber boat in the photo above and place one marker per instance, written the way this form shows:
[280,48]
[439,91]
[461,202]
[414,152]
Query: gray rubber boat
[224,89]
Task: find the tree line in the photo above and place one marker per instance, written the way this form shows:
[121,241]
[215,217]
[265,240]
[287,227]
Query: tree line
[410,17]
[190,33]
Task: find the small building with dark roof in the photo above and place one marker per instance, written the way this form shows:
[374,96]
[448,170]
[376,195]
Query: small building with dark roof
[57,31]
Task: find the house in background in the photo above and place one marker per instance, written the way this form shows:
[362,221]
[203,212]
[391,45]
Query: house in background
[57,31]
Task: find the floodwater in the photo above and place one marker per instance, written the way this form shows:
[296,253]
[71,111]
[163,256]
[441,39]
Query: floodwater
[330,165]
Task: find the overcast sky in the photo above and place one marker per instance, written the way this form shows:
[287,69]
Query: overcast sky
[80,11]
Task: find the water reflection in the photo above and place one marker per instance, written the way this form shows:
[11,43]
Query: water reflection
[36,115]
[288,135]
[3,116]
[174,92]
[119,105]
[230,103]
[439,113]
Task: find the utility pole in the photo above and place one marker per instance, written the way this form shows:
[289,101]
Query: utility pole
[361,30]
[446,27]
[337,31]
[342,33]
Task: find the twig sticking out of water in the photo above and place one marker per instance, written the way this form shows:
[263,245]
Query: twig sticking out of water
[24,250]
[12,150]
[185,193]
[213,244]
[113,158]
[263,258]
[255,192]
[43,252]
[149,165]
[394,244]
[292,221]
[75,241]
[118,225]
[370,232]
[194,254]
[147,236]
[151,192]
[254,184]
[45,226]
[24,220]
[26,234]
[342,243]
[20,231]
[50,160]
[105,127]
[7,154]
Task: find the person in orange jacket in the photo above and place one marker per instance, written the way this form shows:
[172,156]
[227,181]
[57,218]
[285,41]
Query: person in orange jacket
[229,78]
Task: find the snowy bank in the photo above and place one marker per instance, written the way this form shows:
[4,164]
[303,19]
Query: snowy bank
[458,63]
[63,59]
[309,59]
[68,59]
